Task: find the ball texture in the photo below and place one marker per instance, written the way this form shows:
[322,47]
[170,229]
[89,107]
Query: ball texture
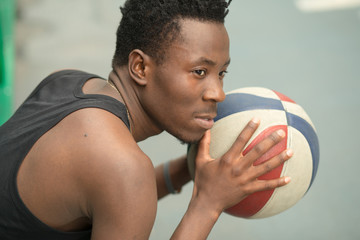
[276,111]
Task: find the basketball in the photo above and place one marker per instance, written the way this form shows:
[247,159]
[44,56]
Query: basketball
[276,111]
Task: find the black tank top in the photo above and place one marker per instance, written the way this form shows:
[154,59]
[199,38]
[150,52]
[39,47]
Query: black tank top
[54,98]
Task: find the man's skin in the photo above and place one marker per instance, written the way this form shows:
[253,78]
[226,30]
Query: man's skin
[90,170]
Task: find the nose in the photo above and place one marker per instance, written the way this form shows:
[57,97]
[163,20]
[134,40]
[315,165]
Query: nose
[214,91]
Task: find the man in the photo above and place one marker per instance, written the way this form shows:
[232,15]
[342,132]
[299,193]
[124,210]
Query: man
[70,167]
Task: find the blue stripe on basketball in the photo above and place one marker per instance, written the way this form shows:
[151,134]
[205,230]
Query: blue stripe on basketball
[310,135]
[240,102]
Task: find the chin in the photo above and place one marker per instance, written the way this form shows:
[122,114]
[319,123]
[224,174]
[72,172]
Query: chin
[189,138]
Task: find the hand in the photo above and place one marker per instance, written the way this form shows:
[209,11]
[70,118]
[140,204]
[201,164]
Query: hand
[226,181]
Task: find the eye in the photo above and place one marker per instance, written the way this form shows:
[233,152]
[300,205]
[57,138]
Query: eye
[222,74]
[200,72]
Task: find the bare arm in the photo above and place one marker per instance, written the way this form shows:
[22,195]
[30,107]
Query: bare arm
[221,183]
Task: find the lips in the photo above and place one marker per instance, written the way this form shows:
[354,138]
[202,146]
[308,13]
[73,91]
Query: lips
[205,122]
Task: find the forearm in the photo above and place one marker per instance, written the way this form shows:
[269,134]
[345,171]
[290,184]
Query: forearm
[179,175]
[197,222]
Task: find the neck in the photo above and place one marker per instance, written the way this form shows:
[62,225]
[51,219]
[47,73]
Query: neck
[141,123]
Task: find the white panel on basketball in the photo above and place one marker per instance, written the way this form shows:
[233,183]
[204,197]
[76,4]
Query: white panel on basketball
[219,144]
[257,91]
[299,168]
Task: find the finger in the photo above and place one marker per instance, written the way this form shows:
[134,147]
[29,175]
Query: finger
[243,138]
[263,185]
[271,164]
[262,147]
[203,154]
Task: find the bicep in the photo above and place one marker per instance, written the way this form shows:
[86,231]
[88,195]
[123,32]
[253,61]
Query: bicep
[123,205]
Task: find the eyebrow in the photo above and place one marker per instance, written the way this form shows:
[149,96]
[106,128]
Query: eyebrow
[209,62]
[227,62]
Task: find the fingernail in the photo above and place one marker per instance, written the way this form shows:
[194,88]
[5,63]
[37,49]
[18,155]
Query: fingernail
[255,120]
[281,133]
[289,152]
[287,179]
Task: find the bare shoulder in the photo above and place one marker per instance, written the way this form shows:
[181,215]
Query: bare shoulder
[116,179]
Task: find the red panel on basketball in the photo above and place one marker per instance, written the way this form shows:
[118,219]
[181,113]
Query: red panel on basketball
[253,203]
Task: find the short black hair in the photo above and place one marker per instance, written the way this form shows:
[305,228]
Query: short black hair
[152,25]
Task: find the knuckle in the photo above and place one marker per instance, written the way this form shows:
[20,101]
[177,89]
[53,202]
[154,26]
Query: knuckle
[241,139]
[226,160]
[259,148]
[236,171]
[268,186]
[268,166]
[282,159]
[244,180]
[241,173]
[274,137]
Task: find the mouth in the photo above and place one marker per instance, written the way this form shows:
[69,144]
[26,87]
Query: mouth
[205,122]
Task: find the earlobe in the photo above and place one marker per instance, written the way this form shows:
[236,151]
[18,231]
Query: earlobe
[137,66]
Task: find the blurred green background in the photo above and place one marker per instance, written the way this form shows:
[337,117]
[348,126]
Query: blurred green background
[306,49]
[7,19]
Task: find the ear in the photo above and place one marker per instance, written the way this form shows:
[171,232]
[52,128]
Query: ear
[138,66]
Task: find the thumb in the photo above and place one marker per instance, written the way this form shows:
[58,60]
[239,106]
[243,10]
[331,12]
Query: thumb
[203,154]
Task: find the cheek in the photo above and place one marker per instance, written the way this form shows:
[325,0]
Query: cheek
[178,89]
[173,96]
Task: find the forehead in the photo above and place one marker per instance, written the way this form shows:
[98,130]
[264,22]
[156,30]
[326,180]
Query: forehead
[200,40]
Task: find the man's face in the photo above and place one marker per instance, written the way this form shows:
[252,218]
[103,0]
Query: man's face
[184,90]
